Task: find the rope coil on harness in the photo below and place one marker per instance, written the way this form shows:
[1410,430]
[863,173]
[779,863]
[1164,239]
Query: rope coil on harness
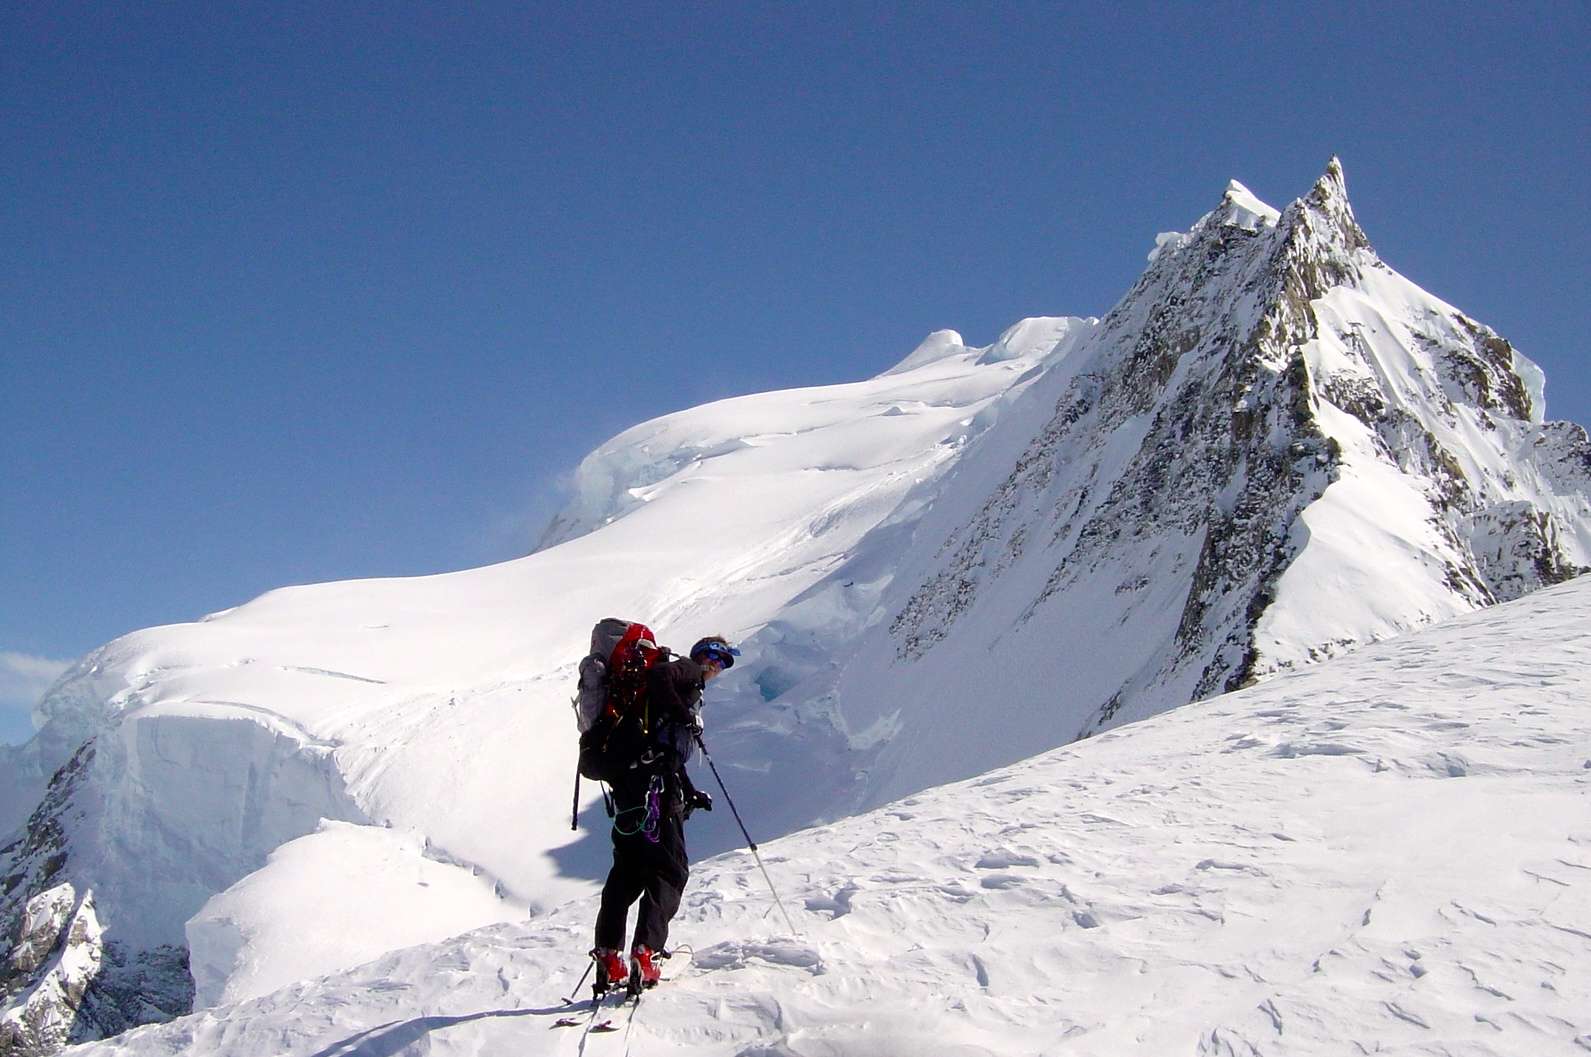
[652,809]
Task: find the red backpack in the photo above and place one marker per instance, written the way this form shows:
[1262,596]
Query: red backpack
[610,707]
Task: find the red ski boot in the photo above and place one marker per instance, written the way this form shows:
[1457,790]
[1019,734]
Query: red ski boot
[644,964]
[610,970]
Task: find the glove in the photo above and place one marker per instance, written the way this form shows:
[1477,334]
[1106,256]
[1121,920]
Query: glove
[698,799]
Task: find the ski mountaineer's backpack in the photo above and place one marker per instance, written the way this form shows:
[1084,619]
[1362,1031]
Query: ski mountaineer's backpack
[610,706]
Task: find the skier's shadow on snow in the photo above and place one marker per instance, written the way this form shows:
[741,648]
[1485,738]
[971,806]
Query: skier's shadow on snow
[392,1038]
[590,854]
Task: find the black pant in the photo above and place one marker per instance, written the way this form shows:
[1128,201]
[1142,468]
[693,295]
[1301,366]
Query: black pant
[656,873]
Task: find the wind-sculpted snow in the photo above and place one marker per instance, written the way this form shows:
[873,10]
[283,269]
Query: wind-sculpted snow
[339,896]
[1389,852]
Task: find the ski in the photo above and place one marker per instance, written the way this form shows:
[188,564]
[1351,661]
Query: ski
[606,1026]
[588,1020]
[629,1024]
[586,1008]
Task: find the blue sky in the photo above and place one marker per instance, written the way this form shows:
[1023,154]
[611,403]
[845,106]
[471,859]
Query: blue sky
[300,292]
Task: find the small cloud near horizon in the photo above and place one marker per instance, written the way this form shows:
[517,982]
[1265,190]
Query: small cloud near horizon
[23,680]
[513,531]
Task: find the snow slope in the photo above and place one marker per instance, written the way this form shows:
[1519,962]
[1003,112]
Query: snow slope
[334,898]
[1389,852]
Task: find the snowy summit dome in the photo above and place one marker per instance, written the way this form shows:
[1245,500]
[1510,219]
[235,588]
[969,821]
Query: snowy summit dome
[936,346]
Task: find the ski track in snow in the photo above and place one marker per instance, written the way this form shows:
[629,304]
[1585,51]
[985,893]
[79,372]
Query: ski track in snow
[328,673]
[1388,853]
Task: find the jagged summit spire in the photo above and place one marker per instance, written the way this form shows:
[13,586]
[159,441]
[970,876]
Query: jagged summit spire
[1332,180]
[1241,208]
[1329,197]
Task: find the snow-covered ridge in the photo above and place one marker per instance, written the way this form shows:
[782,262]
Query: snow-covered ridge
[1239,208]
[1385,853]
[628,471]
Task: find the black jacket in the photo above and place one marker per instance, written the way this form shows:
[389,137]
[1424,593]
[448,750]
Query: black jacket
[673,700]
[674,696]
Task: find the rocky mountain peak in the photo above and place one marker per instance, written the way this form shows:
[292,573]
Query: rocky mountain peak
[1324,234]
[1272,449]
[1329,197]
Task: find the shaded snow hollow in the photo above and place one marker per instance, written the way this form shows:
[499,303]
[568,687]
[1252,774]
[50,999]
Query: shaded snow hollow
[1389,852]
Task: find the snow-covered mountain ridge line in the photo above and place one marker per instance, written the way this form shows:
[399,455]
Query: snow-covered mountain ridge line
[1250,345]
[1389,852]
[1271,450]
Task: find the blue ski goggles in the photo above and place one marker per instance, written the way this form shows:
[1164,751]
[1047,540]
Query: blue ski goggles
[719,653]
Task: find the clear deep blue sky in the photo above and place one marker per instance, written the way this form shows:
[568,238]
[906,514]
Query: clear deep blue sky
[306,292]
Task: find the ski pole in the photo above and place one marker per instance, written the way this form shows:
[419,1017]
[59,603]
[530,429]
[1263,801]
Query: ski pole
[589,963]
[749,842]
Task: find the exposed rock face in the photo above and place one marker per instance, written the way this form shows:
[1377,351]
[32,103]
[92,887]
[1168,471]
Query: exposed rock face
[1188,438]
[62,982]
[1274,448]
[58,951]
[34,862]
